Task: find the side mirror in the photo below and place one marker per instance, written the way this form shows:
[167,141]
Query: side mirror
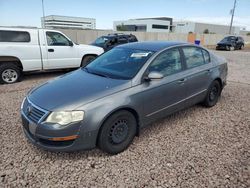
[154,76]
[71,43]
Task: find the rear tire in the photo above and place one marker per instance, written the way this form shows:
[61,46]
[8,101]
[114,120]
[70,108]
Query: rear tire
[117,132]
[241,47]
[87,59]
[213,94]
[9,73]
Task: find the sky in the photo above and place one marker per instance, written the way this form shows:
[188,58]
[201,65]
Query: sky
[29,12]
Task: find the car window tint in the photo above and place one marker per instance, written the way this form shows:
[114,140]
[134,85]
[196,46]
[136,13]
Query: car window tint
[122,40]
[193,56]
[206,56]
[14,36]
[167,63]
[56,39]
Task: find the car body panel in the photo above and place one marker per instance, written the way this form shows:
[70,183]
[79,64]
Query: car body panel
[99,97]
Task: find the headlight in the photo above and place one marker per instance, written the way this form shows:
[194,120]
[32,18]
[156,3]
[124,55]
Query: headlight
[64,118]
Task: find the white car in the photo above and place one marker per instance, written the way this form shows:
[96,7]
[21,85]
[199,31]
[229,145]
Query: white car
[24,50]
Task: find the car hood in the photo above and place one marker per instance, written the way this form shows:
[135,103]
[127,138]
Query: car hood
[90,49]
[74,89]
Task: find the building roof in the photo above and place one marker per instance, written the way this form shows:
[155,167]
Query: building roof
[151,45]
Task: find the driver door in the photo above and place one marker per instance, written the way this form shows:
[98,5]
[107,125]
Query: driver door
[61,52]
[163,97]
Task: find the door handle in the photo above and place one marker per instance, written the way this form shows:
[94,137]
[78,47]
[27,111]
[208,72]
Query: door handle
[182,81]
[209,71]
[50,50]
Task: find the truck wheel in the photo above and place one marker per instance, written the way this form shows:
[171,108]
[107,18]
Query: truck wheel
[9,73]
[241,47]
[117,133]
[87,59]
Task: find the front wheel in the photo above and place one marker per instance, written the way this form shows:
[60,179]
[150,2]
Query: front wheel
[9,73]
[87,59]
[213,94]
[232,48]
[118,132]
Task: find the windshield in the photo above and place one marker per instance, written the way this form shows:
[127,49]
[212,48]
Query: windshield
[228,39]
[119,63]
[101,40]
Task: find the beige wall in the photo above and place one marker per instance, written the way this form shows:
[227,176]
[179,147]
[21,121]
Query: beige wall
[88,36]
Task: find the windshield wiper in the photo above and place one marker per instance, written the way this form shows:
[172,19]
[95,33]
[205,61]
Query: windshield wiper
[96,73]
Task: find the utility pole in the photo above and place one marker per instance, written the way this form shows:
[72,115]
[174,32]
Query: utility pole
[43,25]
[232,18]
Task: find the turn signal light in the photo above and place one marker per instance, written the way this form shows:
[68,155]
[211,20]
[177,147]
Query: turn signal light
[73,137]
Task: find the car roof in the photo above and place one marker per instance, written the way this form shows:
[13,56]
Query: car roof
[117,35]
[151,45]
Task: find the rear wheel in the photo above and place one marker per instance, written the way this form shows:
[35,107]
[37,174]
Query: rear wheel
[87,59]
[118,132]
[241,47]
[213,94]
[9,73]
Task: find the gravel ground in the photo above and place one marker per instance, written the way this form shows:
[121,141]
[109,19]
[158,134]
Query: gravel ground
[196,147]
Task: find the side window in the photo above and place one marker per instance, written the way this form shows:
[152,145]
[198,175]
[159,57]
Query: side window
[206,56]
[167,63]
[14,36]
[56,39]
[193,56]
[122,40]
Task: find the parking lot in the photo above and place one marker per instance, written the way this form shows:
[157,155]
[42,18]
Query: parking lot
[197,147]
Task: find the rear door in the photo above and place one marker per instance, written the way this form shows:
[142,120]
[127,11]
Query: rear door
[198,73]
[60,53]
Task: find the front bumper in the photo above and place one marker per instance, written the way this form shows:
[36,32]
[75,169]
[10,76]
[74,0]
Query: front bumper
[41,135]
[221,47]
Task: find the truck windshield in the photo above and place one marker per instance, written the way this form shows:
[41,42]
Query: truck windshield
[119,63]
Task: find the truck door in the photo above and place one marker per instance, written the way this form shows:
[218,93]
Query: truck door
[61,52]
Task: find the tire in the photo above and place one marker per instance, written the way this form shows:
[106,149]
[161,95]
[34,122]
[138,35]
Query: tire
[231,48]
[213,94]
[9,73]
[241,47]
[87,59]
[117,132]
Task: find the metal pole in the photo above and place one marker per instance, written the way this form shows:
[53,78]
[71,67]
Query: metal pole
[232,18]
[43,25]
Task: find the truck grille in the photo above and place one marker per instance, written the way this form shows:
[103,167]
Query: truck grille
[32,112]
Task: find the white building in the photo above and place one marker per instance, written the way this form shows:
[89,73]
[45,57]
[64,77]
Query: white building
[199,28]
[161,24]
[67,22]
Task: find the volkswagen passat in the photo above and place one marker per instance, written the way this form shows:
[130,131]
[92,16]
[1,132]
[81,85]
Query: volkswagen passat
[106,103]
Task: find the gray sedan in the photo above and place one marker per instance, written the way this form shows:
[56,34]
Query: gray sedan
[106,103]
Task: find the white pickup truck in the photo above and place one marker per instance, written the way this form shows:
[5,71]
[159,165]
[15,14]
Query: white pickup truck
[24,50]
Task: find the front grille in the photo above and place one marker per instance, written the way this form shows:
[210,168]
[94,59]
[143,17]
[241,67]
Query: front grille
[32,112]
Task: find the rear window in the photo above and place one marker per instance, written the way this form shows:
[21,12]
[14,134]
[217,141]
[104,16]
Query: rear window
[14,36]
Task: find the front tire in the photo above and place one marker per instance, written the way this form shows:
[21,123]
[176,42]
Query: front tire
[213,94]
[232,48]
[9,73]
[87,59]
[117,132]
